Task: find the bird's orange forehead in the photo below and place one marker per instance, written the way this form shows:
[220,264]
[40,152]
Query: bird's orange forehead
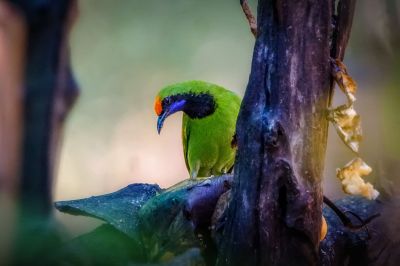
[158,105]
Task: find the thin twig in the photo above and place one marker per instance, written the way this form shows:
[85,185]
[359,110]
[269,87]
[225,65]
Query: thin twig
[250,18]
[345,220]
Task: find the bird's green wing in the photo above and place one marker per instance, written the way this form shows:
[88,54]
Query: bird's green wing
[185,140]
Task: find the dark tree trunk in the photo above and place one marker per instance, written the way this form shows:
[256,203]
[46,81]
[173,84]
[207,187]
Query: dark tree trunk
[48,90]
[274,217]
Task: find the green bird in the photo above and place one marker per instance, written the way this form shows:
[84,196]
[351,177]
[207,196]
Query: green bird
[208,125]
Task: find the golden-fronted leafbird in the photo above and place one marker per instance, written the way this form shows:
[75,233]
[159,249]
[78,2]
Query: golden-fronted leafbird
[208,126]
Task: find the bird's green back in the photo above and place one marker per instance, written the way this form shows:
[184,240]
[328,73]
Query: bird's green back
[207,141]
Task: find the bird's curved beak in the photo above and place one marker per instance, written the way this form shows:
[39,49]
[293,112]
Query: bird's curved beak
[173,108]
[160,121]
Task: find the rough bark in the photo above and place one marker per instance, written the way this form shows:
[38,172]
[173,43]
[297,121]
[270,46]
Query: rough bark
[341,21]
[274,217]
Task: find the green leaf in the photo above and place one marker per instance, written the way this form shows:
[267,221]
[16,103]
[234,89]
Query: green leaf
[165,231]
[119,209]
[107,246]
[179,218]
[103,246]
[163,227]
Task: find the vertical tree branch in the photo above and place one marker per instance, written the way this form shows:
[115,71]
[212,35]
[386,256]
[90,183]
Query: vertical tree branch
[343,19]
[274,217]
[12,52]
[12,57]
[249,16]
[49,90]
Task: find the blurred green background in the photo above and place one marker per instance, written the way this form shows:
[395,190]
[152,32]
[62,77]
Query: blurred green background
[124,51]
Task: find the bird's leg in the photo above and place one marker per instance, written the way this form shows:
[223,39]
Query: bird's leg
[193,174]
[195,170]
